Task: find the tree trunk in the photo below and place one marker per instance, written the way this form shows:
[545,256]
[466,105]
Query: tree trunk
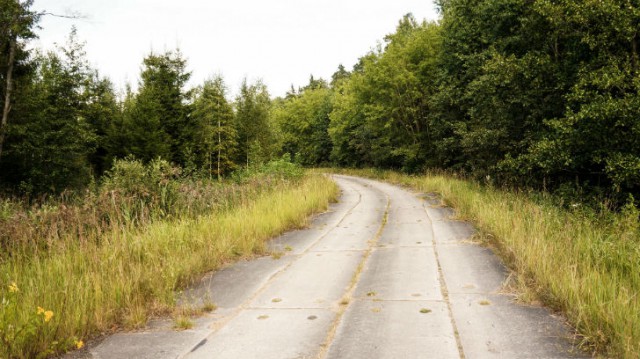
[7,96]
[219,148]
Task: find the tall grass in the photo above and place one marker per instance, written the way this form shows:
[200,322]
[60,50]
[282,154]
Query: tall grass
[121,275]
[132,195]
[577,260]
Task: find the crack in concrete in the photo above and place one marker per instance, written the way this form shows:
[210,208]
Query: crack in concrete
[348,296]
[444,289]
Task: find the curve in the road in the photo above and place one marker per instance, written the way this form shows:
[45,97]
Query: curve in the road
[384,274]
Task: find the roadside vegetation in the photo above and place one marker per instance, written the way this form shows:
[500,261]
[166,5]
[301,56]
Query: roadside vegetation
[573,258]
[117,257]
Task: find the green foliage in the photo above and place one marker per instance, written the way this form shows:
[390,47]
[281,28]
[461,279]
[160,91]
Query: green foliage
[542,93]
[101,111]
[350,139]
[340,75]
[17,340]
[49,140]
[381,113]
[131,177]
[215,145]
[279,170]
[255,133]
[17,21]
[303,121]
[69,126]
[156,121]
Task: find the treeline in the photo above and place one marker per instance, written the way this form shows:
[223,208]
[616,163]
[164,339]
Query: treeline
[66,124]
[535,94]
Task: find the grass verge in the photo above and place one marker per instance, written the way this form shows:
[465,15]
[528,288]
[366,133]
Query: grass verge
[583,263]
[50,302]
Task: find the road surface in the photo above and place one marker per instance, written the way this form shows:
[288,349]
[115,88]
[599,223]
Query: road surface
[384,274]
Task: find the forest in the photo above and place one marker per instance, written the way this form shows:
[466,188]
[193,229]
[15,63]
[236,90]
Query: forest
[528,94]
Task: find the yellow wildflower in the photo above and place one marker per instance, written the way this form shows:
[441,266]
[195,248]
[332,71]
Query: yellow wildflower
[47,315]
[79,344]
[40,310]
[13,287]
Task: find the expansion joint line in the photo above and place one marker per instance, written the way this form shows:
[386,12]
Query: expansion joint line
[346,298]
[444,290]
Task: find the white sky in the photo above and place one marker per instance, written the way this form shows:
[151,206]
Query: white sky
[280,41]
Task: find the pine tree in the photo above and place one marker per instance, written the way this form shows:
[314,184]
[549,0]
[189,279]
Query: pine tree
[50,143]
[215,143]
[16,28]
[255,135]
[158,119]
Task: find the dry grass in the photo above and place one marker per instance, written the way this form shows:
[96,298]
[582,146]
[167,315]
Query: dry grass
[126,275]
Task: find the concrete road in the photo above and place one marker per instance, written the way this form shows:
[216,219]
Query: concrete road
[385,274]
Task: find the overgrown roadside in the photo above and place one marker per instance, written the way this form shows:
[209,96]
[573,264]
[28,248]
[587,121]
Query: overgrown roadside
[583,263]
[54,298]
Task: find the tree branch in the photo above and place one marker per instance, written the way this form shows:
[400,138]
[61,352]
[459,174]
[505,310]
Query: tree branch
[73,15]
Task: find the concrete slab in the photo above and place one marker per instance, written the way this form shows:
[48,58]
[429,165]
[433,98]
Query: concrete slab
[359,225]
[147,345]
[438,213]
[298,241]
[470,268]
[400,274]
[235,284]
[352,238]
[395,329]
[408,211]
[492,326]
[406,235]
[452,231]
[268,334]
[316,280]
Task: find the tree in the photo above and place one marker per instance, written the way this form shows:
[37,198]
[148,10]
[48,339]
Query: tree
[255,133]
[16,23]
[158,118]
[216,144]
[502,78]
[350,138]
[543,93]
[303,121]
[384,105]
[101,112]
[595,142]
[50,142]
[340,75]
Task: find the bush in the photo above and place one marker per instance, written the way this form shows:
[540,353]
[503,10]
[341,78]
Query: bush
[153,184]
[282,169]
[131,177]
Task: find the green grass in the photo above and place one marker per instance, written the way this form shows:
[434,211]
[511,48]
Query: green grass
[128,275]
[579,261]
[182,323]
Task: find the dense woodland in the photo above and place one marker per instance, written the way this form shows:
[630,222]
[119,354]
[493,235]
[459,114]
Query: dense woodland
[540,94]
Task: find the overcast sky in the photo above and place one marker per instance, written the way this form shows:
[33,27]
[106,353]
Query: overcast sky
[280,41]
